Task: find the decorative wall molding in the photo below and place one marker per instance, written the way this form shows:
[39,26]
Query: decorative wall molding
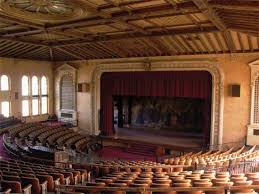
[60,72]
[195,65]
[251,138]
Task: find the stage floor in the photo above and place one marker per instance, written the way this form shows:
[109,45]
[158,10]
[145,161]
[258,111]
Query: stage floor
[145,136]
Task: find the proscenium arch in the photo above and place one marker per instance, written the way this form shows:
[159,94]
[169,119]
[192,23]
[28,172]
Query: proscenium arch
[217,100]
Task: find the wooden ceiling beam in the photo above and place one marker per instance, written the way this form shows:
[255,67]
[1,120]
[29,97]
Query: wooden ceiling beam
[69,53]
[115,52]
[13,20]
[250,43]
[178,47]
[127,3]
[236,5]
[177,39]
[51,56]
[10,44]
[22,52]
[211,43]
[208,11]
[107,15]
[186,42]
[170,49]
[12,49]
[174,4]
[219,42]
[240,42]
[106,21]
[169,32]
[36,50]
[23,41]
[22,33]
[135,15]
[194,41]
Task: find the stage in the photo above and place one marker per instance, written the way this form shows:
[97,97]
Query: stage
[178,141]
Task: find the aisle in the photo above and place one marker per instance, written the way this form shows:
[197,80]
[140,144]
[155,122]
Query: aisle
[117,153]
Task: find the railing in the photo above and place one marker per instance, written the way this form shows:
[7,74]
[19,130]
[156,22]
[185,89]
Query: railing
[88,189]
[235,168]
[225,146]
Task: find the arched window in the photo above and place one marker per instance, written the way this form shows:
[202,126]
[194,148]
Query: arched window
[44,86]
[34,86]
[67,93]
[4,83]
[44,95]
[25,85]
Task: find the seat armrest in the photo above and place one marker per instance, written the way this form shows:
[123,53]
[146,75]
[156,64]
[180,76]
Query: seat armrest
[44,187]
[67,181]
[7,191]
[27,189]
[84,177]
[77,178]
[57,182]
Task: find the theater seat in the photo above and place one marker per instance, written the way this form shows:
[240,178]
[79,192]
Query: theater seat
[16,187]
[36,188]
[58,176]
[50,182]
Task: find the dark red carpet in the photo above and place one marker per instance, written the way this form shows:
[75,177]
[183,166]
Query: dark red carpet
[117,153]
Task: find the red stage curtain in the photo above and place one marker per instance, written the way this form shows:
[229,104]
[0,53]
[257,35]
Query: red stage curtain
[188,84]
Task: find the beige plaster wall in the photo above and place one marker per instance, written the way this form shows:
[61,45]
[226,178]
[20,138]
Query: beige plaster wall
[235,70]
[15,69]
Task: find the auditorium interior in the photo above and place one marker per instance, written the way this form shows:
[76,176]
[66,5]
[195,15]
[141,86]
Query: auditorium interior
[129,96]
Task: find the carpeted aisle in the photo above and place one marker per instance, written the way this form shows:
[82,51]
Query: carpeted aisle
[110,153]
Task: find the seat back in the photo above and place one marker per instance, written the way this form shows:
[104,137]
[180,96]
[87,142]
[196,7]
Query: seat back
[36,188]
[11,178]
[15,186]
[49,179]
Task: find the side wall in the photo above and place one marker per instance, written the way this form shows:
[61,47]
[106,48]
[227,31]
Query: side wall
[15,69]
[234,67]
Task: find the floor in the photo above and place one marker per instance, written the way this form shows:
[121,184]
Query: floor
[118,153]
[156,138]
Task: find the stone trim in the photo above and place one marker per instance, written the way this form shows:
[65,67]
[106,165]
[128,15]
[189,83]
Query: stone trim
[216,135]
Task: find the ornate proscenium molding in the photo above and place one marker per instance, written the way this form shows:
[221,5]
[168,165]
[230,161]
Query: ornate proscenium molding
[195,65]
[147,66]
[253,125]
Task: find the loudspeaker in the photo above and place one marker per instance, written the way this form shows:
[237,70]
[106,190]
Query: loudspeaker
[83,87]
[235,90]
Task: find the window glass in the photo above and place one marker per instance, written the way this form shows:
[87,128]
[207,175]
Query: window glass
[25,86]
[35,106]
[4,83]
[25,108]
[5,108]
[35,86]
[44,105]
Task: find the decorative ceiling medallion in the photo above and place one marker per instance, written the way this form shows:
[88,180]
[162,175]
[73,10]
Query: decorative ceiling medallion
[44,10]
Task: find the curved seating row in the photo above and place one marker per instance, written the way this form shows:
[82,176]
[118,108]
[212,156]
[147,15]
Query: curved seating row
[6,122]
[21,177]
[188,182]
[215,158]
[51,136]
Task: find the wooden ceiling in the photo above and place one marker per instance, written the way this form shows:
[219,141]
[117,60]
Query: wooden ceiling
[61,30]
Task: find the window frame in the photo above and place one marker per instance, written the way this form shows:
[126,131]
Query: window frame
[8,83]
[9,108]
[39,95]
